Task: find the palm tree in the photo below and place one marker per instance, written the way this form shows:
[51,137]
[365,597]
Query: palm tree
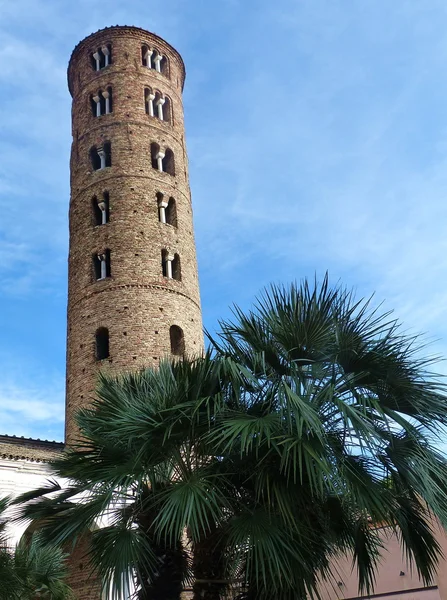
[311,418]
[32,569]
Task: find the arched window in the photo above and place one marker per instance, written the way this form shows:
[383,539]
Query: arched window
[149,98]
[177,340]
[101,102]
[102,343]
[95,158]
[167,211]
[101,156]
[168,162]
[102,57]
[167,108]
[176,270]
[101,265]
[107,147]
[171,213]
[164,66]
[153,59]
[101,209]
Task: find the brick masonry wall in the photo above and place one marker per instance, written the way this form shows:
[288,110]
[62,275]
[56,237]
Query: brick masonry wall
[136,303]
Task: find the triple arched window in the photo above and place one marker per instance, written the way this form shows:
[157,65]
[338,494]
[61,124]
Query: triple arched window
[153,59]
[101,102]
[102,57]
[101,156]
[162,159]
[157,105]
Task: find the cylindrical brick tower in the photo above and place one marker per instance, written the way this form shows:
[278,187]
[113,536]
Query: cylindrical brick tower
[133,292]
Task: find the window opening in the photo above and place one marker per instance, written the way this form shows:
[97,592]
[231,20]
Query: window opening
[177,340]
[171,213]
[168,164]
[102,343]
[101,265]
[102,57]
[101,209]
[176,270]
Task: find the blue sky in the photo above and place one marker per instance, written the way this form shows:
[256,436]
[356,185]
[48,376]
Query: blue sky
[317,138]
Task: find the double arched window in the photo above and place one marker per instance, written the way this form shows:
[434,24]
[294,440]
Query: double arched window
[101,209]
[170,265]
[162,160]
[102,57]
[167,210]
[101,265]
[153,59]
[157,105]
[101,156]
[101,102]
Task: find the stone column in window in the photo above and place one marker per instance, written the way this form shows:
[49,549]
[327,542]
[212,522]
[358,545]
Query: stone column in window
[106,96]
[162,206]
[97,99]
[97,58]
[150,102]
[103,208]
[102,157]
[157,61]
[169,259]
[106,53]
[102,260]
[160,103]
[148,58]
[160,156]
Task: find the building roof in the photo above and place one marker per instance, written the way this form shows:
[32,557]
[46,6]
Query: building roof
[22,448]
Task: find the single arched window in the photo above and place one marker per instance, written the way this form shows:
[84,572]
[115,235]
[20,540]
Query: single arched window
[176,269]
[169,163]
[166,267]
[167,110]
[171,213]
[102,343]
[177,340]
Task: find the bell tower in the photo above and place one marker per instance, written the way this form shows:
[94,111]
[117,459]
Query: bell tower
[133,290]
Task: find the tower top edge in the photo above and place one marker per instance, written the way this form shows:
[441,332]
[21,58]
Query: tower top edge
[128,30]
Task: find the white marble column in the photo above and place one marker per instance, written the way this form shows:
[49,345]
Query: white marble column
[162,206]
[106,96]
[106,53]
[157,61]
[97,99]
[160,156]
[160,103]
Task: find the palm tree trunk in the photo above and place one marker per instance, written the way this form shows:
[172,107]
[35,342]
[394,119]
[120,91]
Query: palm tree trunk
[209,569]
